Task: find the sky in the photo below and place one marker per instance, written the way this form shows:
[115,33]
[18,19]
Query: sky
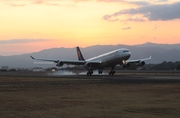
[32,25]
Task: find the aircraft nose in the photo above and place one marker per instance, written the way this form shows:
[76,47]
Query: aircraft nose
[128,54]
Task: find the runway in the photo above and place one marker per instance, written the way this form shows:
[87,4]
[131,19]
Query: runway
[119,78]
[123,77]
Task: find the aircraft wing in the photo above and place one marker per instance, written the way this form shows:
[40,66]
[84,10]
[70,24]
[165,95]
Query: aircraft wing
[72,62]
[138,60]
[79,62]
[50,60]
[94,63]
[69,62]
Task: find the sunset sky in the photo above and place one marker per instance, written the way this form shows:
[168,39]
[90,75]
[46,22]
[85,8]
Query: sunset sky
[32,25]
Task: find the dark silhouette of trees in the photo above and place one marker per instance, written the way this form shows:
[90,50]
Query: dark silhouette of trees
[178,67]
[166,66]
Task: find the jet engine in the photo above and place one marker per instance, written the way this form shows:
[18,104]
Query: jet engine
[60,63]
[142,63]
[87,65]
[126,65]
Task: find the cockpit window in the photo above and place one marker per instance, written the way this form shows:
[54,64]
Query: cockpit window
[125,51]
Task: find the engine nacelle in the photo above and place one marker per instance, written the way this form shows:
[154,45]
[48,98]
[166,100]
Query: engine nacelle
[87,65]
[126,65]
[60,64]
[142,63]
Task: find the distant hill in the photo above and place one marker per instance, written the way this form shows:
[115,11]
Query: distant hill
[166,46]
[159,53]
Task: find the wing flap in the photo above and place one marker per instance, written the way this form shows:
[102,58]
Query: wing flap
[73,62]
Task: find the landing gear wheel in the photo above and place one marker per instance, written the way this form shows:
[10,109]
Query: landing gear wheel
[89,73]
[100,71]
[112,72]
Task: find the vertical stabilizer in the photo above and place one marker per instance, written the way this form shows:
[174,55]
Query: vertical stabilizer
[79,54]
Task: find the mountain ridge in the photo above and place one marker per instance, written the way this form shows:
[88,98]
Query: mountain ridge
[159,53]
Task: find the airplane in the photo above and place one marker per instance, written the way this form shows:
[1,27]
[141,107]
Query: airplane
[110,59]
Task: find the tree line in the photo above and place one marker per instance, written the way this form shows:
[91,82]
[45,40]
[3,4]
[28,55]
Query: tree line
[164,66]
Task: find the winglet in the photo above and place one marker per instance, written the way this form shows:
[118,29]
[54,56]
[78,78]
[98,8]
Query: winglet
[150,57]
[79,54]
[32,57]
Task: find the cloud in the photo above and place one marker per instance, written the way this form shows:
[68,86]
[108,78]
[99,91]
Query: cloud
[16,5]
[162,0]
[110,0]
[53,3]
[137,19]
[20,3]
[81,0]
[126,28]
[62,5]
[139,3]
[108,18]
[39,1]
[161,12]
[20,41]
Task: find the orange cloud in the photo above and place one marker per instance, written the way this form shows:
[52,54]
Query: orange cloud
[16,5]
[110,1]
[82,0]
[39,1]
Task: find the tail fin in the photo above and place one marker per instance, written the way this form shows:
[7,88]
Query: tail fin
[79,54]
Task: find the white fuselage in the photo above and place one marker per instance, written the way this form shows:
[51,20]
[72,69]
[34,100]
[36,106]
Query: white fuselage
[111,58]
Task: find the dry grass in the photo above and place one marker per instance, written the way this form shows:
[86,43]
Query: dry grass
[63,98]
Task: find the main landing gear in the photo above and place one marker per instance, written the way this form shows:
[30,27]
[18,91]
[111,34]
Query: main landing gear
[90,72]
[100,71]
[112,72]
